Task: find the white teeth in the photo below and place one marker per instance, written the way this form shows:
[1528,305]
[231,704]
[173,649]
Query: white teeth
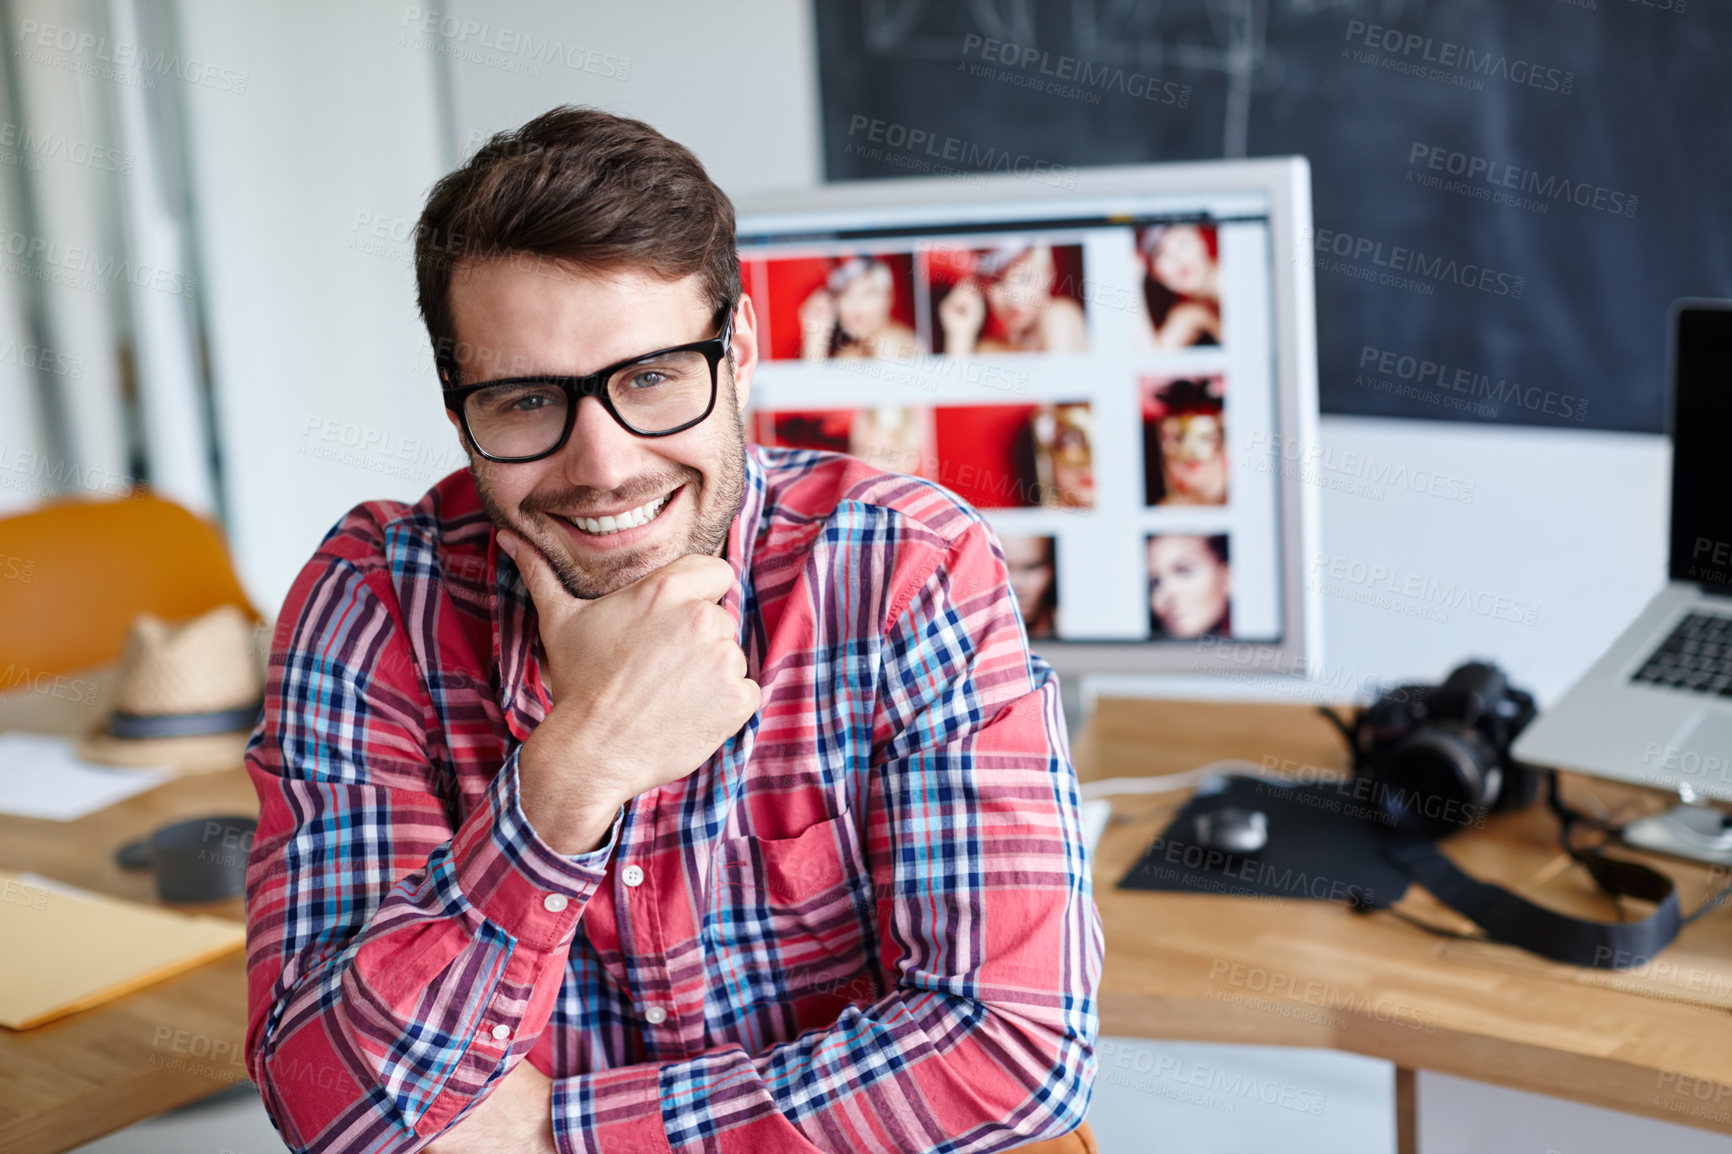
[630,519]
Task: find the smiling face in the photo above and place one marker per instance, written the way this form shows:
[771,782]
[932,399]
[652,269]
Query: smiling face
[541,317]
[1024,292]
[1181,261]
[863,307]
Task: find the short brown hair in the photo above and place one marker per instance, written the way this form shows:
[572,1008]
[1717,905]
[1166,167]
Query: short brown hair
[580,186]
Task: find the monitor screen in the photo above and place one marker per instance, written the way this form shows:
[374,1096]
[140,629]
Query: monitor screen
[1097,375]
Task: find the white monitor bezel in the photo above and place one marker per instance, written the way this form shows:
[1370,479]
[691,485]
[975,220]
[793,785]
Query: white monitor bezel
[1285,182]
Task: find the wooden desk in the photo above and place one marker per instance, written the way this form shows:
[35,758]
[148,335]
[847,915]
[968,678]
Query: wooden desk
[1656,1040]
[1178,966]
[74,1080]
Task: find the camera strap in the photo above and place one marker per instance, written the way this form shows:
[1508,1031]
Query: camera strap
[1513,920]
[1509,918]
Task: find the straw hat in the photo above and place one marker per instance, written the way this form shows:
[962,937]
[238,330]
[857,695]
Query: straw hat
[186,696]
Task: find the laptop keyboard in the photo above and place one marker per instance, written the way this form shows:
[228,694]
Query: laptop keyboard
[1696,656]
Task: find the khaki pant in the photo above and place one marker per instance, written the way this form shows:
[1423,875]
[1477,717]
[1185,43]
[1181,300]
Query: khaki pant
[1078,1141]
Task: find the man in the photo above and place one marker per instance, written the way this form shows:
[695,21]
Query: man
[636,790]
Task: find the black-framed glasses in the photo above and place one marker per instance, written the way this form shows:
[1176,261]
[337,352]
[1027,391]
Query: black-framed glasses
[653,395]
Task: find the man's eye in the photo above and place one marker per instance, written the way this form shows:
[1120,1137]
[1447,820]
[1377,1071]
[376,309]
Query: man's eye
[646,379]
[514,402]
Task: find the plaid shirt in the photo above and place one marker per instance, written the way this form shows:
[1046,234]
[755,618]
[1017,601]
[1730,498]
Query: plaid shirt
[865,923]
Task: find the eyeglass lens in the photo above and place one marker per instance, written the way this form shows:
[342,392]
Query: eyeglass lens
[653,396]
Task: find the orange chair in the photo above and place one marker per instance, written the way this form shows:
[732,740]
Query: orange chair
[73,575]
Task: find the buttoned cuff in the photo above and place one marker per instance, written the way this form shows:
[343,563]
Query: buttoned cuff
[517,881]
[613,1110]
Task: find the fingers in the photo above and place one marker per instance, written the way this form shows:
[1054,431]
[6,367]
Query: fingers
[752,699]
[544,587]
[711,620]
[697,577]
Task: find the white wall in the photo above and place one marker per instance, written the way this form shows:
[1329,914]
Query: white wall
[315,343]
[70,203]
[1457,1116]
[18,357]
[735,82]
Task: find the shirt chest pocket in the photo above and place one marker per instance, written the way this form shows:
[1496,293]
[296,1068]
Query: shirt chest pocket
[790,916]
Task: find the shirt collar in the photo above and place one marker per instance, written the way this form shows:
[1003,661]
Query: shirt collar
[523,695]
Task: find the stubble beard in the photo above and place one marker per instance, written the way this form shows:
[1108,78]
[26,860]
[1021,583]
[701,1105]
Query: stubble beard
[717,501]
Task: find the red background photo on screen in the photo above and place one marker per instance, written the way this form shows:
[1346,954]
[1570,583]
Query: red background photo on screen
[986,454]
[787,284]
[897,439]
[947,266]
[989,455]
[1185,451]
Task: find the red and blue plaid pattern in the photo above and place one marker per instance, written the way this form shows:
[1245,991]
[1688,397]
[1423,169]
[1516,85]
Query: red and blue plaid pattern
[866,923]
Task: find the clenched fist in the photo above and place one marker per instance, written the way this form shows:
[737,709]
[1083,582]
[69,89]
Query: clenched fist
[647,682]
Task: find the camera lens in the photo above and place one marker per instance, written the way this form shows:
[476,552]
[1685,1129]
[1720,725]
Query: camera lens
[1434,782]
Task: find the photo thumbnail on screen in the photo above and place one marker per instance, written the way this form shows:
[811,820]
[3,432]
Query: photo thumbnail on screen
[841,307]
[1181,285]
[1190,586]
[1033,564]
[1184,440]
[898,439]
[992,456]
[1015,297]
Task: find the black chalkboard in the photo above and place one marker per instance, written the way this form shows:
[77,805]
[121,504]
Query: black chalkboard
[1553,172]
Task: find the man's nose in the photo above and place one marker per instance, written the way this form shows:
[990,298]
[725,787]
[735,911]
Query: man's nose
[600,454]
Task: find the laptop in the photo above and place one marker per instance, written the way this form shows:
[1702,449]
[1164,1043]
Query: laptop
[1657,708]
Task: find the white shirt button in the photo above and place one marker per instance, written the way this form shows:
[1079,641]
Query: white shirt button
[632,875]
[655,1015]
[501,1032]
[553,903]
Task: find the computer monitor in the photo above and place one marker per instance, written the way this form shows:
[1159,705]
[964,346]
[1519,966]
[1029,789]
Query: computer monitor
[1116,366]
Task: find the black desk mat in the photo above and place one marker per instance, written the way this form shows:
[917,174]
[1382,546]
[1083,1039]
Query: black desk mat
[1323,845]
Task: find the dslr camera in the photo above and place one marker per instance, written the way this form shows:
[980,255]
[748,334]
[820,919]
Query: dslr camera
[1438,756]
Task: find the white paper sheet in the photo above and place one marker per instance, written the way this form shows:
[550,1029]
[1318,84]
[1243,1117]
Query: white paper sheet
[40,776]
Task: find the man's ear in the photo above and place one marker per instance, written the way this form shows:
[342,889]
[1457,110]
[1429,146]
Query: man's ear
[745,349]
[468,451]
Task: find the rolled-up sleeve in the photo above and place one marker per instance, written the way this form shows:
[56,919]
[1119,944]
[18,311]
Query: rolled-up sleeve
[398,963]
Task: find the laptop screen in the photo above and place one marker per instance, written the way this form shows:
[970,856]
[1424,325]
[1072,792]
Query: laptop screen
[1701,435]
